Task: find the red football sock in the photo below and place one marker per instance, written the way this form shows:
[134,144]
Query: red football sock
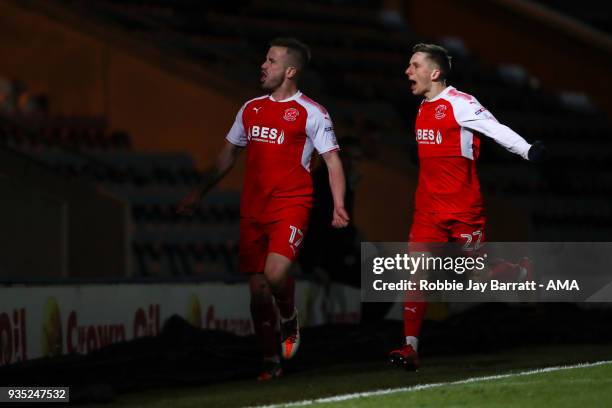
[264,322]
[285,298]
[414,312]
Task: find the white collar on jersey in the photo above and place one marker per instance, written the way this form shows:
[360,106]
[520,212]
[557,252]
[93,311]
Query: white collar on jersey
[441,94]
[291,98]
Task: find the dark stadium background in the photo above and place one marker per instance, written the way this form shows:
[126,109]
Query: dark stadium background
[110,110]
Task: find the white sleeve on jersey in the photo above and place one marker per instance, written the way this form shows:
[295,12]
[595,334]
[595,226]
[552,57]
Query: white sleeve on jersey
[320,129]
[472,115]
[236,135]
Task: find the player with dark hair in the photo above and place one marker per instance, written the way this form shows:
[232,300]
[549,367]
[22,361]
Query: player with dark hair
[448,202]
[280,131]
[298,53]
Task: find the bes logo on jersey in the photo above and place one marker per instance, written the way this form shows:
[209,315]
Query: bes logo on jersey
[428,136]
[266,135]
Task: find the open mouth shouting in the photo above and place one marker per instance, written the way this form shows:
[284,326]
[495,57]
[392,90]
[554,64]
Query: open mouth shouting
[412,83]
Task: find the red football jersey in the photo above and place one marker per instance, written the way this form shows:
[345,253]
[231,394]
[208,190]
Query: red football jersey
[448,129]
[280,137]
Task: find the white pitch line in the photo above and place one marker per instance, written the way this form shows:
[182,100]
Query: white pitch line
[419,387]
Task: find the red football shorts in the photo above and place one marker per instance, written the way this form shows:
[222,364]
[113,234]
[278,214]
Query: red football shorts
[467,229]
[283,236]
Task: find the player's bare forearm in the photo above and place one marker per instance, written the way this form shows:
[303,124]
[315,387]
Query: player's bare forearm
[337,184]
[225,162]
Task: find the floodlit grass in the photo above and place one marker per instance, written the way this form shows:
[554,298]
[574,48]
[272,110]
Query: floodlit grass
[574,387]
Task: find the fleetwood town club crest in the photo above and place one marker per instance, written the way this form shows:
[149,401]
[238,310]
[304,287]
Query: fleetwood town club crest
[440,111]
[291,114]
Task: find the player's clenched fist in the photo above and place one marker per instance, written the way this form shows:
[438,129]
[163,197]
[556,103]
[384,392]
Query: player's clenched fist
[190,202]
[340,219]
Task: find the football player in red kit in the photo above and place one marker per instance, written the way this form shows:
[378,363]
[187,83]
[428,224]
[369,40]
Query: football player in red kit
[279,132]
[448,203]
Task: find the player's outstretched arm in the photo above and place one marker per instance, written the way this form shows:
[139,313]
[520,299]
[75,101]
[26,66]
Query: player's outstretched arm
[337,183]
[225,162]
[470,114]
[511,140]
